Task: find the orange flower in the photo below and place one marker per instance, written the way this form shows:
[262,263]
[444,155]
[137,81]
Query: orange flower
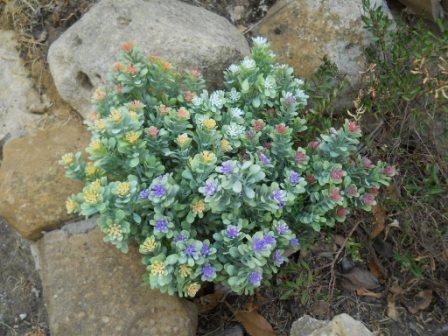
[131,70]
[117,66]
[166,65]
[196,73]
[154,58]
[127,47]
[188,96]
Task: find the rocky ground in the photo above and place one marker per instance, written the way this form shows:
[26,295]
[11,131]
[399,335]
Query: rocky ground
[89,287]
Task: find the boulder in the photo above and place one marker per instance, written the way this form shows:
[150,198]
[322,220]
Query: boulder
[18,98]
[91,288]
[189,36]
[33,186]
[303,32]
[340,325]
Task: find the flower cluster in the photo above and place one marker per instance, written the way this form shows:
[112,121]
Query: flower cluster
[213,186]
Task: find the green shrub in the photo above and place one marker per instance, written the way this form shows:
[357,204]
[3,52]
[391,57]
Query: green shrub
[213,185]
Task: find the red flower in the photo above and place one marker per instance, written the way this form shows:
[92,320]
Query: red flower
[341,212]
[258,125]
[367,163]
[374,190]
[131,70]
[127,47]
[281,129]
[152,131]
[195,73]
[354,127]
[335,195]
[310,179]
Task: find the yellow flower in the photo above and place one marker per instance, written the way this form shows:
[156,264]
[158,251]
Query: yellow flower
[90,169]
[91,196]
[133,115]
[123,188]
[71,205]
[157,268]
[192,289]
[95,185]
[114,231]
[135,105]
[207,157]
[198,206]
[132,137]
[184,271]
[225,146]
[209,124]
[100,125]
[99,94]
[68,159]
[183,140]
[96,145]
[148,245]
[115,116]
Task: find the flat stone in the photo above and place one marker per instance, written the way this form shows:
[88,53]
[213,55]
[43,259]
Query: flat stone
[340,325]
[33,186]
[18,98]
[188,36]
[303,32]
[91,288]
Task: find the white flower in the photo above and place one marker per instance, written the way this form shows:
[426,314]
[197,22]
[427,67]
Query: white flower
[234,95]
[248,63]
[301,96]
[269,83]
[196,100]
[235,130]
[236,112]
[233,68]
[217,99]
[260,40]
[298,81]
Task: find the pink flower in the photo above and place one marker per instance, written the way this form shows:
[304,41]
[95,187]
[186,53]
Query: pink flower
[195,73]
[367,163]
[354,127]
[280,129]
[337,174]
[341,212]
[301,157]
[152,131]
[352,191]
[335,195]
[314,144]
[389,171]
[369,199]
[258,125]
[188,96]
[182,113]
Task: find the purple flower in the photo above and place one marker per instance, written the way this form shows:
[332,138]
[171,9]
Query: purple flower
[226,168]
[280,197]
[269,239]
[180,238]
[161,225]
[144,194]
[232,232]
[208,271]
[263,158]
[294,242]
[282,228]
[189,250]
[259,244]
[279,258]
[289,98]
[294,178]
[255,278]
[205,250]
[209,188]
[158,191]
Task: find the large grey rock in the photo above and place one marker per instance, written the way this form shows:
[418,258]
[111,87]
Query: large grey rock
[17,95]
[91,288]
[340,325]
[188,36]
[302,32]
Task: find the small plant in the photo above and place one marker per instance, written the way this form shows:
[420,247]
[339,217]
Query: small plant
[213,185]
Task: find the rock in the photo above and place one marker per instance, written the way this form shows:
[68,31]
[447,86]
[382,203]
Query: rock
[302,32]
[340,325]
[91,288]
[17,96]
[188,36]
[429,9]
[33,186]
